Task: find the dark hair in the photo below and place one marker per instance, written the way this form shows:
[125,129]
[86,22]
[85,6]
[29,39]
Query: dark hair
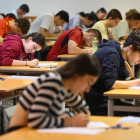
[80,65]
[133,14]
[114,13]
[11,15]
[133,39]
[102,10]
[63,15]
[96,32]
[24,7]
[36,37]
[2,15]
[23,24]
[89,16]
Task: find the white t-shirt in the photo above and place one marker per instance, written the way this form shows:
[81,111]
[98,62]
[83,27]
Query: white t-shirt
[73,22]
[45,21]
[122,29]
[14,11]
[106,32]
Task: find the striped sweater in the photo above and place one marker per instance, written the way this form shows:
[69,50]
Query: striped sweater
[43,101]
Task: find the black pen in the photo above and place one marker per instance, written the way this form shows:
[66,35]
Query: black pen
[30,57]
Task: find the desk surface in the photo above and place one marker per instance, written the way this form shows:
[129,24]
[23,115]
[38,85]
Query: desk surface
[17,69]
[66,56]
[112,134]
[51,38]
[13,84]
[123,92]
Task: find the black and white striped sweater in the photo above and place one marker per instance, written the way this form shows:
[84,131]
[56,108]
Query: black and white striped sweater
[43,101]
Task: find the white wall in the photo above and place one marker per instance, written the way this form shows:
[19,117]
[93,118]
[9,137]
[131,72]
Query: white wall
[38,7]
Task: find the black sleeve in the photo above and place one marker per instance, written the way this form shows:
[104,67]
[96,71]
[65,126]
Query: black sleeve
[110,69]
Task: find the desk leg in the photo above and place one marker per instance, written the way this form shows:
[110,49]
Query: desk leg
[110,107]
[1,103]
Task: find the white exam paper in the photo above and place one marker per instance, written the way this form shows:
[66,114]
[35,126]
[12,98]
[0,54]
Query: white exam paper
[134,88]
[97,125]
[72,130]
[130,119]
[23,77]
[46,64]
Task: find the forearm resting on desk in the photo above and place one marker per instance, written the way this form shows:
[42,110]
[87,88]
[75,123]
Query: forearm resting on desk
[34,62]
[126,84]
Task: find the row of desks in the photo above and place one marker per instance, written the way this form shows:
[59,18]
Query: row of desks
[111,134]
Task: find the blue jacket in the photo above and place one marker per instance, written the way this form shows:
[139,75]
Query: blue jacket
[112,68]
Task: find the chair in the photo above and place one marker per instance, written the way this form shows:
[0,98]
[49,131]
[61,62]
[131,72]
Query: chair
[42,54]
[129,69]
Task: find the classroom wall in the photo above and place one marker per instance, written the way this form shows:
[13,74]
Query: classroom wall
[38,7]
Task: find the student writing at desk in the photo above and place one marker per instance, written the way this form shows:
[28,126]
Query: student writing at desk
[112,20]
[80,20]
[40,105]
[73,41]
[9,25]
[125,26]
[50,25]
[15,46]
[114,74]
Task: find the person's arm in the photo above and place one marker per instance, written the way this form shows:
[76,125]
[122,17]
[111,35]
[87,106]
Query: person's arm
[46,34]
[77,104]
[125,84]
[74,49]
[124,37]
[34,62]
[1,40]
[111,36]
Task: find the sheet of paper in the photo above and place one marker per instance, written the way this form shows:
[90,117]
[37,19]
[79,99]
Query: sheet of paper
[97,125]
[134,88]
[72,130]
[46,64]
[23,77]
[130,119]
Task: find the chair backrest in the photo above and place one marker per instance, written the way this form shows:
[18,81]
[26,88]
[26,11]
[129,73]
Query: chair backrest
[129,69]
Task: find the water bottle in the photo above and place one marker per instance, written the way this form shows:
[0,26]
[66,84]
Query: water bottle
[30,20]
[94,45]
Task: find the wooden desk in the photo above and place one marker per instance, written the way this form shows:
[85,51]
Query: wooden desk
[27,69]
[50,43]
[51,38]
[112,134]
[65,57]
[122,93]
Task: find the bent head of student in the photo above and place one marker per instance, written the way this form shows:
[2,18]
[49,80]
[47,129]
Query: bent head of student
[101,13]
[80,73]
[33,42]
[11,15]
[87,18]
[23,9]
[90,35]
[21,25]
[61,18]
[113,17]
[133,17]
[131,48]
